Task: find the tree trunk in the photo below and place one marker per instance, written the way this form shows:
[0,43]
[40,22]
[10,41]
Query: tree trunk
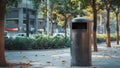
[2,49]
[94,41]
[51,24]
[108,29]
[94,26]
[27,22]
[65,27]
[51,29]
[117,29]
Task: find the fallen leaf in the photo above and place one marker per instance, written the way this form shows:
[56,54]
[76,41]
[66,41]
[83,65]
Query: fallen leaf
[94,67]
[63,61]
[36,55]
[70,66]
[20,52]
[53,65]
[43,55]
[60,56]
[25,64]
[48,62]
[24,57]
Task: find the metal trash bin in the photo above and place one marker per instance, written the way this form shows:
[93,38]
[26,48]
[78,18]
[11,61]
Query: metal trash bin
[80,42]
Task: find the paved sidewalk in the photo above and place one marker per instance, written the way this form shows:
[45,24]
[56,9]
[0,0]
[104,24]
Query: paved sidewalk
[60,58]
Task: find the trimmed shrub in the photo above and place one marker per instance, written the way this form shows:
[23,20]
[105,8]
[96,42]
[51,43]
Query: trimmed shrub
[113,37]
[39,42]
[102,37]
[18,44]
[46,42]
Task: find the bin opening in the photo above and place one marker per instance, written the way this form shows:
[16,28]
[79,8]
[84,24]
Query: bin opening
[82,25]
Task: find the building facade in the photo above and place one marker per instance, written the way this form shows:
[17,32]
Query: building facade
[16,18]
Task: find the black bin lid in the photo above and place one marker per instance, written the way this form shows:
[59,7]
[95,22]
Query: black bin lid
[80,20]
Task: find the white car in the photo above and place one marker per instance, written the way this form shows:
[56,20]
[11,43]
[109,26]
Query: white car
[58,35]
[19,35]
[6,35]
[22,35]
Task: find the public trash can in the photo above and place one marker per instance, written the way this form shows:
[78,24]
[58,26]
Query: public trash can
[80,42]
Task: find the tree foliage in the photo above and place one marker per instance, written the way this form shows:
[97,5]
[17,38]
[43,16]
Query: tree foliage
[116,10]
[3,4]
[115,6]
[12,2]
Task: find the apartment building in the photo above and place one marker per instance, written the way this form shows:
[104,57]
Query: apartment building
[16,18]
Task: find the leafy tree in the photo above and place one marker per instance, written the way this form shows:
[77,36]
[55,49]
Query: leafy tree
[96,6]
[2,12]
[93,5]
[107,5]
[116,10]
[66,9]
[3,4]
[52,13]
[35,4]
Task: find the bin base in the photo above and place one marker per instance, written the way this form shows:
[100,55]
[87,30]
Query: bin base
[78,64]
[82,66]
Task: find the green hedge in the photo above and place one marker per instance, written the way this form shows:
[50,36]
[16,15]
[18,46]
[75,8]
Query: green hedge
[45,42]
[39,42]
[102,37]
[18,44]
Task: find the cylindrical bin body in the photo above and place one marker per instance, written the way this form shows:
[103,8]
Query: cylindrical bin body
[80,42]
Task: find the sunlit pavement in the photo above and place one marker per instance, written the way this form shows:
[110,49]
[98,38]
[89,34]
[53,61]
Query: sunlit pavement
[60,58]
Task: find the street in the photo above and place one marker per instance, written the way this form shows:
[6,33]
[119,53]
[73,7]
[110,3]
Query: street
[60,58]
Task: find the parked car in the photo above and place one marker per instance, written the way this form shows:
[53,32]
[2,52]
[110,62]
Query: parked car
[22,35]
[6,35]
[19,35]
[58,35]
